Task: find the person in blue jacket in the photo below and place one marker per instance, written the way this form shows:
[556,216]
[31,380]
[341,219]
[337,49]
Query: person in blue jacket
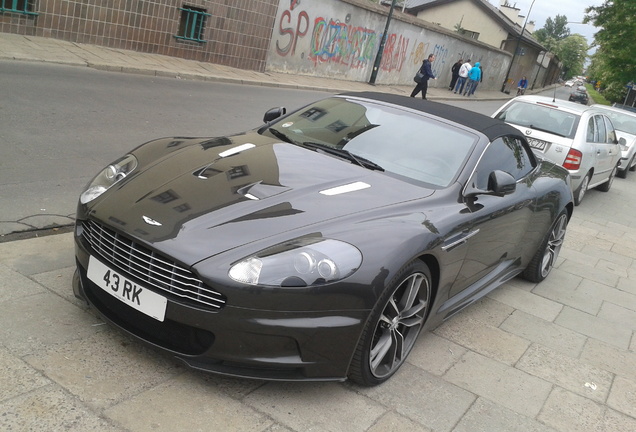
[523,85]
[427,71]
[474,76]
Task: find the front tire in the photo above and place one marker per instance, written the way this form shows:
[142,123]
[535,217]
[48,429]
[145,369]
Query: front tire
[543,261]
[393,326]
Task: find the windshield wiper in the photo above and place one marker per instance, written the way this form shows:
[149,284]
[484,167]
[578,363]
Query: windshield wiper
[546,130]
[359,160]
[278,134]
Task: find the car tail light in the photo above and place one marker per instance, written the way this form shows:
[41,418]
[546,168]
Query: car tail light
[573,160]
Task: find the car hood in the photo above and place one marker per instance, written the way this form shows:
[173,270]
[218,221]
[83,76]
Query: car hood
[203,200]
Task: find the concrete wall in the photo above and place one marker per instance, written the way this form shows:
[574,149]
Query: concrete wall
[340,39]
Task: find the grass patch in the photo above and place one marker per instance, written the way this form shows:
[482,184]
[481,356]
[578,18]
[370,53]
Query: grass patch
[596,96]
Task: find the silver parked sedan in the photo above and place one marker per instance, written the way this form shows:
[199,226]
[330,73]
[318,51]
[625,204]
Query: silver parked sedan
[580,138]
[625,123]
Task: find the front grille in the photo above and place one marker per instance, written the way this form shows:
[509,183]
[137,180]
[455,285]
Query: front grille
[145,265]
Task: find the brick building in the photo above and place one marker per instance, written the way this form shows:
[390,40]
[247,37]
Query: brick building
[235,33]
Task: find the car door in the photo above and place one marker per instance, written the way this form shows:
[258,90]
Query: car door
[499,225]
[605,152]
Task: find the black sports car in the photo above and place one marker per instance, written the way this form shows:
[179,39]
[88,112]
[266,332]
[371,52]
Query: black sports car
[318,246]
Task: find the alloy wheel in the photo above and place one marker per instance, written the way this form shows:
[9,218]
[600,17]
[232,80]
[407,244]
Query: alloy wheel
[399,325]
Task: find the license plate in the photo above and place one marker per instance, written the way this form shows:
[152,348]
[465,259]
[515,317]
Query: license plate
[127,291]
[538,144]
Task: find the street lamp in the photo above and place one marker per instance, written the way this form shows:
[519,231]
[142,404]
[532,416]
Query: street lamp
[514,55]
[378,57]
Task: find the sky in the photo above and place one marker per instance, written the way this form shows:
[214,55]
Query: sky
[574,10]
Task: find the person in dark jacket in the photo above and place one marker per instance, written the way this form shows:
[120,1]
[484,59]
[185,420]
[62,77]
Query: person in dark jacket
[455,74]
[427,71]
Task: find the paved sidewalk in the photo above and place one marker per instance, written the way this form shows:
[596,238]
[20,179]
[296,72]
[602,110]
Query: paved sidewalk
[557,356]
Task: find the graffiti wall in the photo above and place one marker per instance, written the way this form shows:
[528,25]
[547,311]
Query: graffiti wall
[341,39]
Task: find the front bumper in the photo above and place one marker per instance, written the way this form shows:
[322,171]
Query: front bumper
[235,341]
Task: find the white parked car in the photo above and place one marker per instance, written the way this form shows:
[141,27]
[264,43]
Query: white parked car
[580,138]
[569,83]
[625,124]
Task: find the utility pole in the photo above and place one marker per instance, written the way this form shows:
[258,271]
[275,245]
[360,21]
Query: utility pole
[378,57]
[514,54]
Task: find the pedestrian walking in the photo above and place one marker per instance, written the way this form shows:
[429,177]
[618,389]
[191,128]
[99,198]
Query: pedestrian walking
[455,74]
[474,77]
[427,72]
[463,76]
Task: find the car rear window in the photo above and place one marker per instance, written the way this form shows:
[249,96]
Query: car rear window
[541,117]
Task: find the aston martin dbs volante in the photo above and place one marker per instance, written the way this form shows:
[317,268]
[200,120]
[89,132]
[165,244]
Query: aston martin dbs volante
[321,244]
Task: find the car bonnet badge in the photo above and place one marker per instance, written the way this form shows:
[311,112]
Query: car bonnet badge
[528,131]
[151,221]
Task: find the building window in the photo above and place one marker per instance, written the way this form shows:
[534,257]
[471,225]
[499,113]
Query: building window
[192,23]
[17,6]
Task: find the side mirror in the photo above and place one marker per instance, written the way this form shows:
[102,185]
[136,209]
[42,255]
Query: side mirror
[622,141]
[501,183]
[274,113]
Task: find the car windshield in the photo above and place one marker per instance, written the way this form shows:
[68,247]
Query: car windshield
[623,122]
[376,136]
[541,117]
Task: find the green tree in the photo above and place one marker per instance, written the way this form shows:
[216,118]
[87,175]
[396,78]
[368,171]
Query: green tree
[572,51]
[614,62]
[553,31]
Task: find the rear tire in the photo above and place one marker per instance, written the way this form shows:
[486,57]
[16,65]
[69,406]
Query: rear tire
[605,187]
[393,326]
[543,261]
[579,193]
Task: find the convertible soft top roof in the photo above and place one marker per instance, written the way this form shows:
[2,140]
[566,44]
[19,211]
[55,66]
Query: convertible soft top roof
[492,128]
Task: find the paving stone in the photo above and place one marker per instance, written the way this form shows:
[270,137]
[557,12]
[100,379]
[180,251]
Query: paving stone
[435,354]
[527,302]
[485,339]
[105,368]
[619,314]
[13,285]
[17,377]
[572,374]
[329,407]
[423,398]
[569,412]
[486,416]
[616,422]
[623,396]
[185,400]
[605,356]
[573,256]
[60,282]
[38,255]
[597,328]
[487,311]
[500,383]
[580,296]
[393,422]
[50,409]
[605,254]
[548,334]
[590,272]
[34,323]
[628,284]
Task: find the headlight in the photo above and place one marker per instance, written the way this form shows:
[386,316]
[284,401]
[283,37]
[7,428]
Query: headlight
[108,177]
[299,263]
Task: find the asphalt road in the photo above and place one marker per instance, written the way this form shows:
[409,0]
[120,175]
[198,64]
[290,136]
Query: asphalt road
[60,124]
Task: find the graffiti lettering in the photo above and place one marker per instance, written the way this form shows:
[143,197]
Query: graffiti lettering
[341,43]
[394,53]
[293,35]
